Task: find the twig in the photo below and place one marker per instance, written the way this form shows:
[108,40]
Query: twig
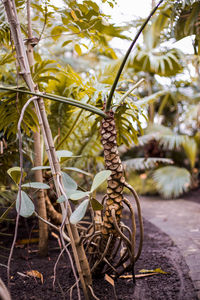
[130,91]
[56,263]
[92,292]
[20,183]
[45,21]
[45,221]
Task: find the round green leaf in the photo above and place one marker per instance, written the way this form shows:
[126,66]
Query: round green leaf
[36,185]
[27,207]
[79,212]
[99,179]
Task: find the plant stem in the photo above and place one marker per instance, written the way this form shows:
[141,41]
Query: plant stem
[70,101]
[109,100]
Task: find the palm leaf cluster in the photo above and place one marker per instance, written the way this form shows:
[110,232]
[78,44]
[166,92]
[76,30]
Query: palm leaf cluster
[171,181]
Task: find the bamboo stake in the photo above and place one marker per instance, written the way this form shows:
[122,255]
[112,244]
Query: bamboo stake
[78,251]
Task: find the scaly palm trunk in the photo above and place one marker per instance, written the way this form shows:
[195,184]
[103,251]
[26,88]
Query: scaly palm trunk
[114,196]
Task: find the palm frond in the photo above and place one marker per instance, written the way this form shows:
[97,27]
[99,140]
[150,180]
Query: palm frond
[143,163]
[172,181]
[190,147]
[166,137]
[172,141]
[165,63]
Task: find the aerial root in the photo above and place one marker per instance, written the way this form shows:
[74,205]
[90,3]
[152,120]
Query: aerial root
[137,201]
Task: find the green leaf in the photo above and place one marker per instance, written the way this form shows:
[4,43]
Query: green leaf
[61,199]
[79,212]
[191,150]
[79,195]
[59,99]
[36,185]
[27,207]
[66,43]
[41,168]
[78,50]
[99,179]
[70,185]
[63,153]
[77,170]
[15,174]
[96,205]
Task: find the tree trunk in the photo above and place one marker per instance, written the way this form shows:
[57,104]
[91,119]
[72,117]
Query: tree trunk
[41,205]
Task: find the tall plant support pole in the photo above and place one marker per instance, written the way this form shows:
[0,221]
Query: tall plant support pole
[41,205]
[78,251]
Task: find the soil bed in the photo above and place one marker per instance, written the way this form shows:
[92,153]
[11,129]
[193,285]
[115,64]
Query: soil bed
[158,252]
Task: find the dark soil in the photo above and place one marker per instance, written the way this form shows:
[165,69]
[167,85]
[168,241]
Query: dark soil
[158,252]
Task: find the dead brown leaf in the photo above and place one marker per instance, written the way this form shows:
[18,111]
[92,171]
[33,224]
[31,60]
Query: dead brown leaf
[36,274]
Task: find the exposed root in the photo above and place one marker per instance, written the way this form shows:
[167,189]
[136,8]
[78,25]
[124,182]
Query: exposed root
[137,200]
[103,255]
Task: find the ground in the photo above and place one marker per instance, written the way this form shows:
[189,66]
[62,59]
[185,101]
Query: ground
[159,251]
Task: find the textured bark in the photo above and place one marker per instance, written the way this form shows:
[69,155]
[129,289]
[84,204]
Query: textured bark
[114,195]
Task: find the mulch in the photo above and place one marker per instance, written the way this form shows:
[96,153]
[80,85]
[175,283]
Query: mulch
[159,251]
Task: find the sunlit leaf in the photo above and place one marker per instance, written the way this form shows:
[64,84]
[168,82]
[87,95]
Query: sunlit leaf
[99,179]
[79,212]
[78,50]
[157,270]
[15,174]
[27,207]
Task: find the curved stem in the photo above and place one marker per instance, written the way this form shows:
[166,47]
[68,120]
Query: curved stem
[109,101]
[139,217]
[127,241]
[127,202]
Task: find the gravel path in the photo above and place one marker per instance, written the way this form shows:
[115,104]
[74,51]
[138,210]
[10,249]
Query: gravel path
[180,219]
